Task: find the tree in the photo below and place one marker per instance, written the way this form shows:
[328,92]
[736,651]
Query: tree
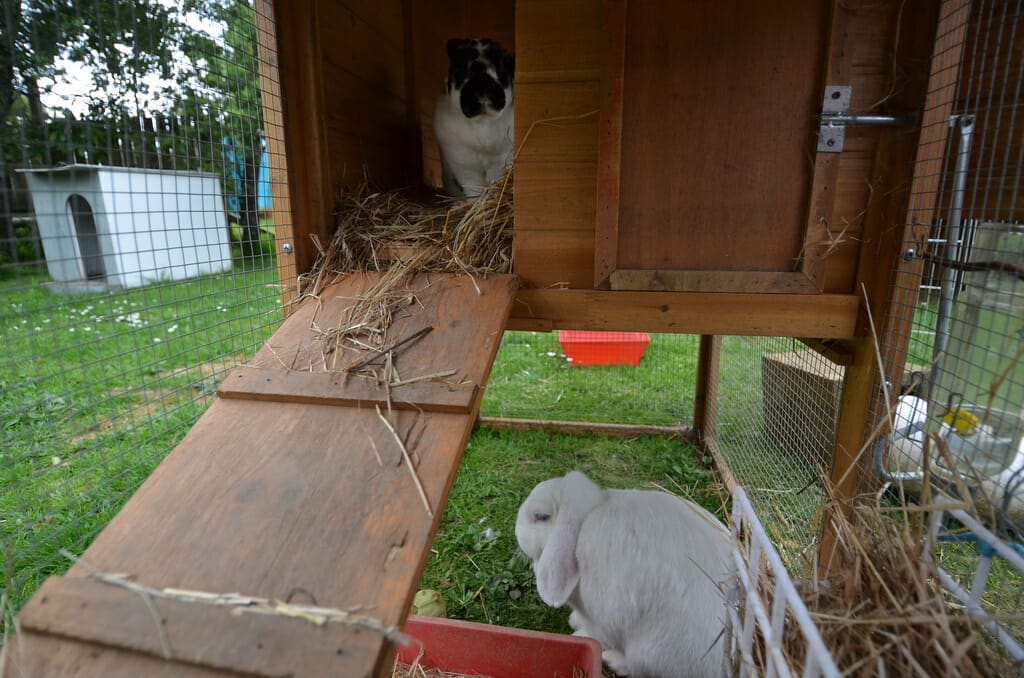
[170,81]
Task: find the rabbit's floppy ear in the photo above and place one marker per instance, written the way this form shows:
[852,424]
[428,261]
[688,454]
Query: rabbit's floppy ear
[557,569]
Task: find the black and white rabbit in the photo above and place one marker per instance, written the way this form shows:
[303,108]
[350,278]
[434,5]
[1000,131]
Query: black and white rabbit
[474,118]
[647,574]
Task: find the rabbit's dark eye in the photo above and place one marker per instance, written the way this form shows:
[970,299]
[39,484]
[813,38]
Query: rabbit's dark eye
[539,517]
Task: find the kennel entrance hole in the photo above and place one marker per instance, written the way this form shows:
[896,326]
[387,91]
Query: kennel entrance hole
[83,223]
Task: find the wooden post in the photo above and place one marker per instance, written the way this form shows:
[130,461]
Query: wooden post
[274,133]
[888,224]
[849,460]
[705,403]
[305,135]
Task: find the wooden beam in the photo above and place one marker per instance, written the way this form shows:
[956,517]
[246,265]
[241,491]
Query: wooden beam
[609,140]
[305,134]
[838,351]
[849,457]
[277,158]
[683,433]
[827,316]
[712,281]
[705,405]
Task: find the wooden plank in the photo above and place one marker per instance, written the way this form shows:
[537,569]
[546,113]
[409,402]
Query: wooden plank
[825,316]
[556,122]
[85,609]
[353,45]
[711,281]
[561,39]
[703,186]
[305,140]
[817,242]
[277,160]
[705,404]
[332,388]
[609,141]
[588,428]
[555,257]
[277,500]
[555,196]
[450,304]
[385,17]
[31,654]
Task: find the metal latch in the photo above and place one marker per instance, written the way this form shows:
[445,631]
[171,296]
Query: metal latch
[835,118]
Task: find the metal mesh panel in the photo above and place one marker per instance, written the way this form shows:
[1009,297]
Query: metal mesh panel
[778,406]
[958,321]
[136,252]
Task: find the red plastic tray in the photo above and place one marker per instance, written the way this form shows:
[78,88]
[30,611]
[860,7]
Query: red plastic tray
[604,348]
[499,651]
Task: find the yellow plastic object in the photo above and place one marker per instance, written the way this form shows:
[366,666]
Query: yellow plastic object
[962,421]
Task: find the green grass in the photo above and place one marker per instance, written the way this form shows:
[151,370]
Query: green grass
[533,379]
[476,563]
[96,388]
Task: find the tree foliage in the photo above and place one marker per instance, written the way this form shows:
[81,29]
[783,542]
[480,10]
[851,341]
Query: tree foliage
[153,83]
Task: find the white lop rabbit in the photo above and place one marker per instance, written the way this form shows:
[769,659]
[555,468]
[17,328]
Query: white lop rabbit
[474,118]
[647,574]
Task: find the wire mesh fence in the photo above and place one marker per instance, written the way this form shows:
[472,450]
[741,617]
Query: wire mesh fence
[957,322]
[778,408]
[137,251]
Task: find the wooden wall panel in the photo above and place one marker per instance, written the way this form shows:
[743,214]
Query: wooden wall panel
[557,257]
[555,195]
[431,24]
[557,76]
[364,81]
[716,133]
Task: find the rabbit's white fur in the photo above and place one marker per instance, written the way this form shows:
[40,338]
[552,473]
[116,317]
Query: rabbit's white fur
[647,574]
[474,120]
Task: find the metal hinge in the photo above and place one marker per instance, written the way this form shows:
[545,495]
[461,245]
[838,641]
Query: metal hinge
[835,118]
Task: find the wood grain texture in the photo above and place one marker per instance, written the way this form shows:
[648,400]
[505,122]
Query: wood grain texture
[778,315]
[609,141]
[291,386]
[711,281]
[562,40]
[555,257]
[85,609]
[705,402]
[555,196]
[818,238]
[556,122]
[706,185]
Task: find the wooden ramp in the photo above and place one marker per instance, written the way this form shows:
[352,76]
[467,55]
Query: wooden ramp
[290,488]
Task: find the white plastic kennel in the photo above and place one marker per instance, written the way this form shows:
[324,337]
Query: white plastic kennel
[126,227]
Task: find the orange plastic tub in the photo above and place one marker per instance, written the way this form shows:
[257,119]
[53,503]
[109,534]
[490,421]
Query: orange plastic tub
[604,348]
[499,651]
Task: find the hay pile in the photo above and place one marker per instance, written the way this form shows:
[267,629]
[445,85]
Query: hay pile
[398,236]
[417,671]
[887,614]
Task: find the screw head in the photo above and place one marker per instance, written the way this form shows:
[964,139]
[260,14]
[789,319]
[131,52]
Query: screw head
[286,248]
[836,94]
[909,254]
[830,142]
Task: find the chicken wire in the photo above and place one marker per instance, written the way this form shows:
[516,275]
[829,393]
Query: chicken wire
[778,408]
[958,318]
[137,249]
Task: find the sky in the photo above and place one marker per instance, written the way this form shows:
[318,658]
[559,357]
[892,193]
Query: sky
[74,86]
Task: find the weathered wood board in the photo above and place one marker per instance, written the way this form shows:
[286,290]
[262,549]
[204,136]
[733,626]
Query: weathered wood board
[282,500]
